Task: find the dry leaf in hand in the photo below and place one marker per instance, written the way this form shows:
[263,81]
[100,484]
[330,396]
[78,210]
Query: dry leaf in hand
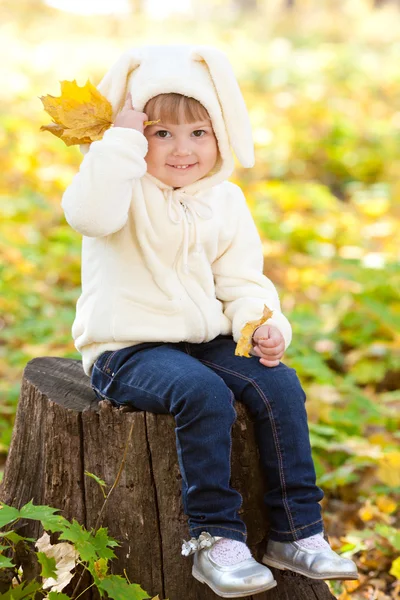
[244,345]
[80,115]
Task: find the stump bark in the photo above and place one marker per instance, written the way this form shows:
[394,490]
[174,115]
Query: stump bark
[61,431]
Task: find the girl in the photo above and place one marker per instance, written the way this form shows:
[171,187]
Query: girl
[172,269]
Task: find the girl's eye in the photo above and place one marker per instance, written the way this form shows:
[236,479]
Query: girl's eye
[161,132]
[199,131]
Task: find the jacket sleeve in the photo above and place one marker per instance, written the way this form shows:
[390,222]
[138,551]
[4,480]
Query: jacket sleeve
[97,201]
[238,274]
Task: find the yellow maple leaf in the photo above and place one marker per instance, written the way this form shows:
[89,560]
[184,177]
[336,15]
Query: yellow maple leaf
[81,114]
[395,568]
[389,469]
[386,504]
[244,345]
[101,568]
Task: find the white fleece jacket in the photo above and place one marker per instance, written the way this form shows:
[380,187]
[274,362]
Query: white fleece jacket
[160,264]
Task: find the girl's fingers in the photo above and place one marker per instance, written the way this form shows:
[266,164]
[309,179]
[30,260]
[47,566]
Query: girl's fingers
[272,352]
[128,101]
[270,343]
[269,363]
[256,351]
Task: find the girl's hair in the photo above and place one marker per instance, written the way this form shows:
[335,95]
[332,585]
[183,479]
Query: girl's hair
[170,108]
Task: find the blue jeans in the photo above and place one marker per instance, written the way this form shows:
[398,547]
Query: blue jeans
[198,384]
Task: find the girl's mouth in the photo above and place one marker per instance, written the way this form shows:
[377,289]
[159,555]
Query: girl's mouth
[182,167]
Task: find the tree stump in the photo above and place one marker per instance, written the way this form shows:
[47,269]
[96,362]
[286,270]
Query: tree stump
[61,431]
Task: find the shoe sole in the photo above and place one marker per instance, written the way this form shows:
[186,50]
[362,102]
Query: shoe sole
[282,566]
[197,576]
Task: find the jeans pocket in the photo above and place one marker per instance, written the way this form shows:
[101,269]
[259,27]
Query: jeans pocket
[100,377]
[106,362]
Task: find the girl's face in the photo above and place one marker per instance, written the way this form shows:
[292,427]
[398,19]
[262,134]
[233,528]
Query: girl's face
[179,155]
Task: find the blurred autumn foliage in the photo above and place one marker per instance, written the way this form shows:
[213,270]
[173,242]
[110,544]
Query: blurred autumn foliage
[323,89]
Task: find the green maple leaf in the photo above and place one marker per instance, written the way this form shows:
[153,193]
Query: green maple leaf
[21,591]
[101,541]
[7,514]
[37,512]
[14,537]
[49,565]
[5,562]
[82,540]
[118,588]
[44,513]
[101,482]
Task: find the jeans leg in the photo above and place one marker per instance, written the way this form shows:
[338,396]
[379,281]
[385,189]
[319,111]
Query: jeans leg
[276,401]
[164,379]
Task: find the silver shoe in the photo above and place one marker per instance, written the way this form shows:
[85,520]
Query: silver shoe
[236,581]
[315,563]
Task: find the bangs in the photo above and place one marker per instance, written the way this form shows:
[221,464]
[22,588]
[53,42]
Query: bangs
[175,108]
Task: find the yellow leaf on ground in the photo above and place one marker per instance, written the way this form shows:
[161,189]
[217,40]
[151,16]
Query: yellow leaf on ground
[244,345]
[395,568]
[367,512]
[386,505]
[389,469]
[351,585]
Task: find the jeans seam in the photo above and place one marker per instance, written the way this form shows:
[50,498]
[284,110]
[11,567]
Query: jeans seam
[275,436]
[103,395]
[230,449]
[108,360]
[298,528]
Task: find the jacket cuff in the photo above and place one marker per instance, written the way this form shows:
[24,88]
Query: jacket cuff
[126,136]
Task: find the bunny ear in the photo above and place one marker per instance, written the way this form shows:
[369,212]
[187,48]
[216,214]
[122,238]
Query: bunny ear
[114,83]
[232,103]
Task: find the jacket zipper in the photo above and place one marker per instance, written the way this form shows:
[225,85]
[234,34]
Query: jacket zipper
[204,320]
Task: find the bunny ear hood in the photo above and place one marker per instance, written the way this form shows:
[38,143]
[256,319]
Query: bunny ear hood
[201,72]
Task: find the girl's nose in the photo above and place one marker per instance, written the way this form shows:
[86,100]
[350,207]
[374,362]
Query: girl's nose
[182,148]
[182,151]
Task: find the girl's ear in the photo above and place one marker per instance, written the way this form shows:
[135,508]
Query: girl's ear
[114,83]
[231,100]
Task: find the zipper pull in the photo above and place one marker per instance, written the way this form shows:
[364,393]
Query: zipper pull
[187,213]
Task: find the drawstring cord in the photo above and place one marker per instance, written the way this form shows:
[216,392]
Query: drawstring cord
[185,208]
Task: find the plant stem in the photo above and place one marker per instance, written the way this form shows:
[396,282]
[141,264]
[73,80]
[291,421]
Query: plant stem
[98,521]
[85,590]
[114,485]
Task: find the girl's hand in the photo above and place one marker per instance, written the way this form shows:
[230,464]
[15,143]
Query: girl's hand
[269,345]
[129,117]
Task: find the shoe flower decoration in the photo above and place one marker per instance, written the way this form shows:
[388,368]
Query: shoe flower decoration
[80,115]
[205,540]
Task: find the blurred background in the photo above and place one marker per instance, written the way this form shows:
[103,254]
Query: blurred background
[322,83]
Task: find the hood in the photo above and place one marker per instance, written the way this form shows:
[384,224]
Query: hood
[201,72]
